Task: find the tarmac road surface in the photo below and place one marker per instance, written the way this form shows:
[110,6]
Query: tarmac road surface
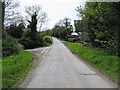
[57,67]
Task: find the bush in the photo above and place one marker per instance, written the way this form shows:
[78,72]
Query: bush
[72,39]
[10,46]
[31,40]
[27,43]
[38,40]
[68,36]
[15,31]
[47,39]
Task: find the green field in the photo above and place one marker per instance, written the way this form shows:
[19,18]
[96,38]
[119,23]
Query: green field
[104,62]
[14,69]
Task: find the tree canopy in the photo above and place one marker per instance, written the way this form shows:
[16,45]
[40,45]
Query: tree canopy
[102,20]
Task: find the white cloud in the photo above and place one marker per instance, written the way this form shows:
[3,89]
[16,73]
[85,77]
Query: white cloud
[56,9]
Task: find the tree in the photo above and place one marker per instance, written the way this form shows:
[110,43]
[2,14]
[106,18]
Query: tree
[33,23]
[80,26]
[63,32]
[20,30]
[60,23]
[103,22]
[88,18]
[62,29]
[31,37]
[37,16]
[66,22]
[12,15]
[10,45]
[56,31]
[15,31]
[42,20]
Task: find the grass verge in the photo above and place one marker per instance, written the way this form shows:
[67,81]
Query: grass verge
[104,62]
[15,68]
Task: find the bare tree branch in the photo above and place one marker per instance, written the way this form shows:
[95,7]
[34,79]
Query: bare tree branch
[11,12]
[30,10]
[36,10]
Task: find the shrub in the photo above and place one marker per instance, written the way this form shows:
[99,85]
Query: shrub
[27,43]
[68,36]
[15,31]
[47,39]
[72,39]
[38,40]
[10,46]
[31,40]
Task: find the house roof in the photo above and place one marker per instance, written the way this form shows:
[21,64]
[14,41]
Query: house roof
[74,33]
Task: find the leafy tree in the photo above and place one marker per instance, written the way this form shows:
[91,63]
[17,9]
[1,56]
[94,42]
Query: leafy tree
[63,32]
[80,26]
[102,19]
[32,38]
[20,29]
[15,31]
[46,32]
[55,31]
[62,29]
[66,22]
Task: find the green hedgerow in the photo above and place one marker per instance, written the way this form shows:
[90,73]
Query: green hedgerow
[10,46]
[47,39]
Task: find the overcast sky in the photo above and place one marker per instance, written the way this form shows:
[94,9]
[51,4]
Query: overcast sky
[55,9]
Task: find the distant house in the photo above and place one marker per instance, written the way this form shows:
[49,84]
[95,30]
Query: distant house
[75,35]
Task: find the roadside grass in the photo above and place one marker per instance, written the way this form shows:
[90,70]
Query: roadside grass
[15,68]
[101,60]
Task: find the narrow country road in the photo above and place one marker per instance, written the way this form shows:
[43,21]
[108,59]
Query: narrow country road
[57,67]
